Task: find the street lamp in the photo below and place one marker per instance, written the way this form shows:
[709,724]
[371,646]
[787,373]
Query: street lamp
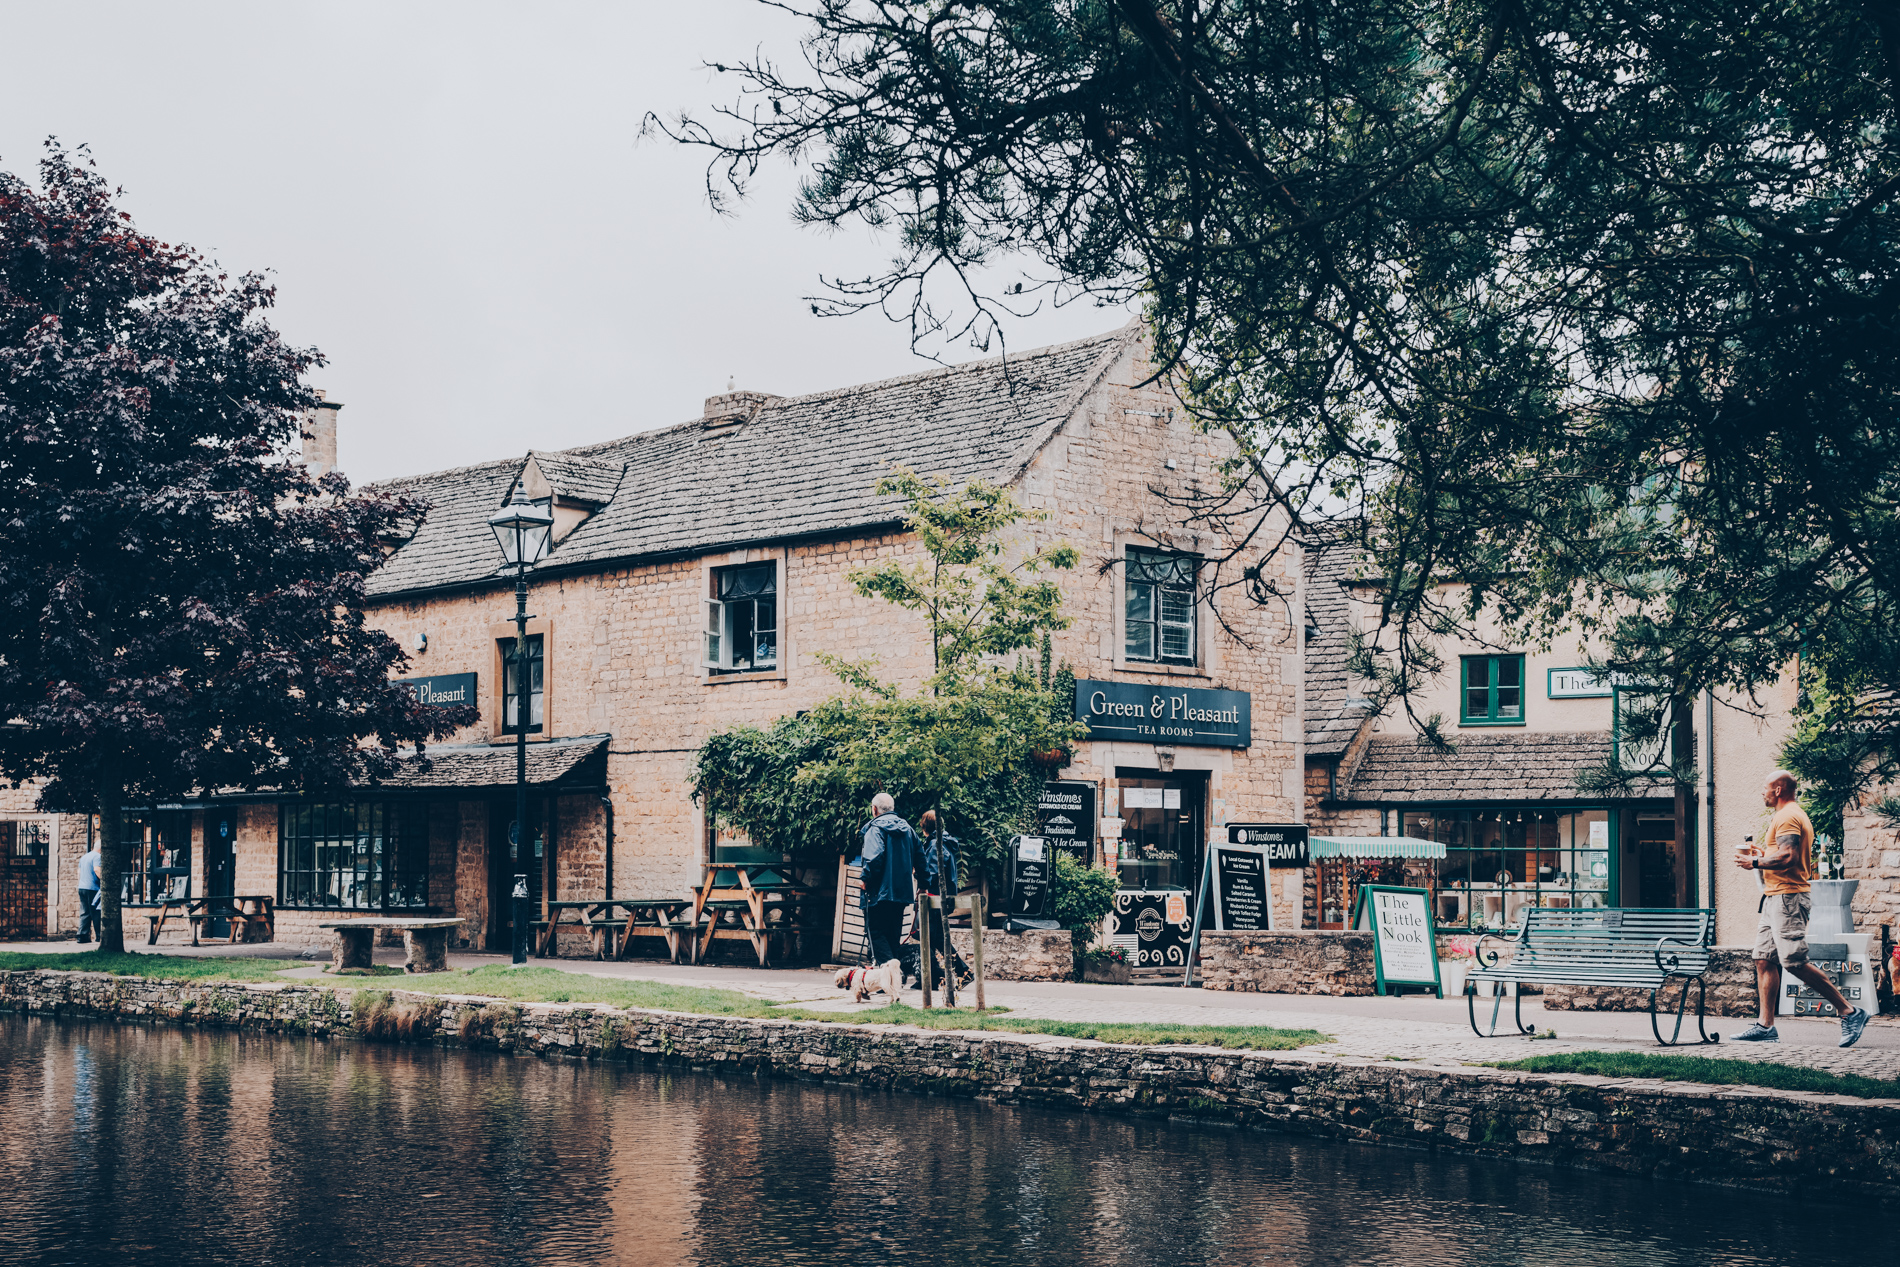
[521,528]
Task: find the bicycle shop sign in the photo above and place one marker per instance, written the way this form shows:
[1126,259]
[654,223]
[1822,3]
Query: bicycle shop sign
[1182,715]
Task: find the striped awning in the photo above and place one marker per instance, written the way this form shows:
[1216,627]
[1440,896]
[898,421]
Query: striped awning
[1375,847]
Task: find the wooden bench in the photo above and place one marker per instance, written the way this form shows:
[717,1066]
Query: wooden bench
[243,912]
[425,940]
[1631,948]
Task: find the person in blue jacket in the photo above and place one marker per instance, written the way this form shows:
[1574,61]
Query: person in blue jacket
[892,870]
[940,862]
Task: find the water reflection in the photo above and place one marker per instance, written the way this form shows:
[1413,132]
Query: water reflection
[208,1147]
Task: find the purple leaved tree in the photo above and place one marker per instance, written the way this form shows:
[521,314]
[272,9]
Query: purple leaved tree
[180,606]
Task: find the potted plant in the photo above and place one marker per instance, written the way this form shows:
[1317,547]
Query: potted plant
[1107,964]
[1454,962]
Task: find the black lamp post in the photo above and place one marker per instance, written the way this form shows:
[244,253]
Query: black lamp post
[522,529]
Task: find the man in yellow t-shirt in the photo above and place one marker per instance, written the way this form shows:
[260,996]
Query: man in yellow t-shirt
[1786,864]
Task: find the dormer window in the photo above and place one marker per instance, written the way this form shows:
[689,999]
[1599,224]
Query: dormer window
[741,627]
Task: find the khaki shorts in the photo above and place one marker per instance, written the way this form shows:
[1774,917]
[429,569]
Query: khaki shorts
[1783,929]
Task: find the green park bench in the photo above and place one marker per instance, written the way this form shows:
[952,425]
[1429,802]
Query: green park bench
[1642,949]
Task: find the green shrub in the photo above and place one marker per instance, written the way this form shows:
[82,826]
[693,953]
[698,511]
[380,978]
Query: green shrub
[1080,897]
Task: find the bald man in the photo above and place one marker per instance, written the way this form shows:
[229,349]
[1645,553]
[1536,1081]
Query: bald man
[1786,864]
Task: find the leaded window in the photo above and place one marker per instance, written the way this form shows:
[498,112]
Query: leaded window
[354,855]
[1159,608]
[512,677]
[741,619]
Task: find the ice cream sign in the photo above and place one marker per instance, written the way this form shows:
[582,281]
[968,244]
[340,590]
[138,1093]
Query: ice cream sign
[1165,715]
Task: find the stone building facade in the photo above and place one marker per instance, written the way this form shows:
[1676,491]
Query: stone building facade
[697,573]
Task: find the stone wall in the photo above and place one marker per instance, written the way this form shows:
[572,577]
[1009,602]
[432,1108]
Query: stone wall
[1737,1136]
[1731,984]
[1870,853]
[1287,963]
[1036,955]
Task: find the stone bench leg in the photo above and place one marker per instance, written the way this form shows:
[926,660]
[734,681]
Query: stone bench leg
[428,949]
[351,948]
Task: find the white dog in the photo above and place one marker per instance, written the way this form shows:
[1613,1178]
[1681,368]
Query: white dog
[863,982]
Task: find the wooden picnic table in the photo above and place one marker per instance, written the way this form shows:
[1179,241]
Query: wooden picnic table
[595,915]
[664,915]
[742,889]
[242,910]
[425,939]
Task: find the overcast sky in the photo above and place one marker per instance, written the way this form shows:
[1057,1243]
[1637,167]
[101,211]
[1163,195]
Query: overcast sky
[457,209]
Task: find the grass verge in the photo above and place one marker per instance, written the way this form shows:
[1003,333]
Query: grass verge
[551,985]
[160,967]
[1722,1073]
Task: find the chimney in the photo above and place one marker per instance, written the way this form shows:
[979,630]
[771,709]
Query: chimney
[732,408]
[319,436]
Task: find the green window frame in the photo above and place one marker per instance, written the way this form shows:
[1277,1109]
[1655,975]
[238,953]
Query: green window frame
[1491,690]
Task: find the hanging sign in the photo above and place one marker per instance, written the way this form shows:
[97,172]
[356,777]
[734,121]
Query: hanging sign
[1404,939]
[1065,816]
[444,691]
[1285,842]
[1242,901]
[1165,714]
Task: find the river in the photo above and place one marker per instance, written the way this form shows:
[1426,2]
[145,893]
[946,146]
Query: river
[159,1144]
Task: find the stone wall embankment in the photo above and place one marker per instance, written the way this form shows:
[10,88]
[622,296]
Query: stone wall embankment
[1772,1140]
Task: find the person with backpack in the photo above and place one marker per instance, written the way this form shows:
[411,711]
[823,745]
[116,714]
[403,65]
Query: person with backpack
[892,870]
[940,862]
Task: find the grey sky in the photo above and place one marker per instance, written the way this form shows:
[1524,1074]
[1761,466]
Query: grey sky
[456,210]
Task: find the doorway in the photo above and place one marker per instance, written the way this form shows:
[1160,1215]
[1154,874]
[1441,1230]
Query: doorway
[1163,840]
[220,867]
[510,855]
[24,847]
[1663,871]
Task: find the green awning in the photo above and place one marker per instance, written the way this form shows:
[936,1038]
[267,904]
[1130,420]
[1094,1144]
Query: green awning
[1375,847]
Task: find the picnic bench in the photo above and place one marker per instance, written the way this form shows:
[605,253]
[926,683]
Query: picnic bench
[1628,947]
[243,912]
[425,940]
[749,901]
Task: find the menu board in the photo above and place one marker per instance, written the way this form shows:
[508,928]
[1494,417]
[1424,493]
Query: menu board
[1242,900]
[1404,941]
[1028,877]
[1065,816]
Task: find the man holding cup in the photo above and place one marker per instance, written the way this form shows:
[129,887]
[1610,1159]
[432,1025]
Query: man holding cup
[1786,864]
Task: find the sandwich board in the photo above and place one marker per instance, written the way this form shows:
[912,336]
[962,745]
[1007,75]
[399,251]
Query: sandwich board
[1404,938]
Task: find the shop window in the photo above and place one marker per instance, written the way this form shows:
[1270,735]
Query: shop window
[1158,612]
[1498,862]
[158,858]
[741,619]
[1492,690]
[353,855]
[513,677]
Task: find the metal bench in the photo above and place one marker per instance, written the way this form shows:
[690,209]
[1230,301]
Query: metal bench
[1641,949]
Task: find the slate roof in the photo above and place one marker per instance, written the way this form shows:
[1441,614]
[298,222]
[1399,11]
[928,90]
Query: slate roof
[1486,767]
[492,765]
[581,479]
[1331,721]
[802,466]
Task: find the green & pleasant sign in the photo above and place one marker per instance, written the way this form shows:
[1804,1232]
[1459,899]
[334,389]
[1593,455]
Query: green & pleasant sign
[1165,714]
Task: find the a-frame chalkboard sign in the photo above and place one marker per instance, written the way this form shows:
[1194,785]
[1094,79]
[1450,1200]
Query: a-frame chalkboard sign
[1404,938]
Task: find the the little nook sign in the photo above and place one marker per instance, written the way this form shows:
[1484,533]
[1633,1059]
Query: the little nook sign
[445,691]
[1165,714]
[1404,942]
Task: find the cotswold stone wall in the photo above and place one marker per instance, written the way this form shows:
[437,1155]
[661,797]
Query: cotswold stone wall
[1731,983]
[1036,955]
[1287,963]
[1745,1137]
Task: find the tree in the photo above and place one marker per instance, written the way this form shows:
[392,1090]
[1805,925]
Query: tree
[1592,308]
[180,606]
[965,742]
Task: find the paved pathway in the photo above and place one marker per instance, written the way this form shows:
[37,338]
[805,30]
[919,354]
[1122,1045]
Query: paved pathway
[1412,1028]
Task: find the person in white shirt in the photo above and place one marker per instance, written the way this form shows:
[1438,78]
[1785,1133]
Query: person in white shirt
[88,894]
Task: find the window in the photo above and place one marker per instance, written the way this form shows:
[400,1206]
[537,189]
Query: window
[1500,861]
[742,619]
[1158,616]
[158,854]
[511,676]
[1493,690]
[362,855]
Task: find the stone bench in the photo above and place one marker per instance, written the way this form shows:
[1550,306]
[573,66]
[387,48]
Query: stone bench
[426,941]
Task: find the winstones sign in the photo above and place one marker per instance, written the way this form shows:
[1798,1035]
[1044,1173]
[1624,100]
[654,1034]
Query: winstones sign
[1165,714]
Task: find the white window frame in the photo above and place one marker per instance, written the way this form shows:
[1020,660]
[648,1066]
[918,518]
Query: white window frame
[716,637]
[1130,554]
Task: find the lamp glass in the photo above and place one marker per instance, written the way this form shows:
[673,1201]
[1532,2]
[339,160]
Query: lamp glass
[521,529]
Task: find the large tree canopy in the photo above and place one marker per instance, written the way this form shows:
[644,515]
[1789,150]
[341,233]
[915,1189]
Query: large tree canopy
[180,606]
[1588,303]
